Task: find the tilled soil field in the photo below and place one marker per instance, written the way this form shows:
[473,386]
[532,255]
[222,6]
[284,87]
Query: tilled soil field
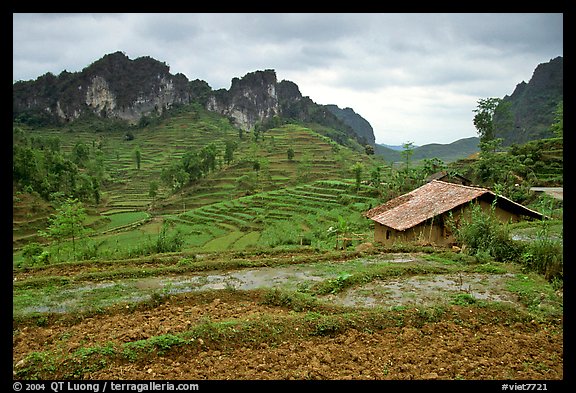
[243,335]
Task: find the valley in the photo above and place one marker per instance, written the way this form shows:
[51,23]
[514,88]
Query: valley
[198,250]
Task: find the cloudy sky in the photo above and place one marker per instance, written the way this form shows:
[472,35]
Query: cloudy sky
[415,77]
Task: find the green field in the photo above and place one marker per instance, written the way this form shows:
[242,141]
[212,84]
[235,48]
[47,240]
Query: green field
[290,202]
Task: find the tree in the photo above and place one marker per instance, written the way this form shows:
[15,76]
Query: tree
[231,146]
[137,157]
[208,156]
[192,164]
[290,153]
[407,152]
[153,190]
[175,176]
[484,118]
[256,165]
[80,154]
[67,222]
[257,133]
[357,169]
[95,189]
[369,149]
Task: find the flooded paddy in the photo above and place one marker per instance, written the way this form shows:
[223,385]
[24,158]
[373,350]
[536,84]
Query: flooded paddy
[396,291]
[425,290]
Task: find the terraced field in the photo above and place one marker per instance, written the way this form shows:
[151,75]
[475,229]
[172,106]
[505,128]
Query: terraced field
[292,199]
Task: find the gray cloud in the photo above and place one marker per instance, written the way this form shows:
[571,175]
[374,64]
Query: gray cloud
[409,75]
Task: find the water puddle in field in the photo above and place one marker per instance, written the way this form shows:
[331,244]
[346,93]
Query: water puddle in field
[423,290]
[413,290]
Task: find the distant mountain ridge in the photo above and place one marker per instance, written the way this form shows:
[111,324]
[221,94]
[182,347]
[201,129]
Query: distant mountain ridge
[454,151]
[118,87]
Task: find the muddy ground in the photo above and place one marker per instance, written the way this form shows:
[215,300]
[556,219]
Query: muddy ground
[401,328]
[468,344]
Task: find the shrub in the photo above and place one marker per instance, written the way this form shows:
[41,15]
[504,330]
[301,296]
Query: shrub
[484,234]
[544,256]
[34,254]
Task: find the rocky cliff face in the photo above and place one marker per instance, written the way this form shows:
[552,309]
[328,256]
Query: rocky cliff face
[113,86]
[258,97]
[117,87]
[250,100]
[530,110]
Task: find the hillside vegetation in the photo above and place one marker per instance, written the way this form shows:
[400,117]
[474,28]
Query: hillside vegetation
[288,185]
[260,196]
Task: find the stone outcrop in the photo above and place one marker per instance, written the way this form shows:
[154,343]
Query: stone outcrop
[117,87]
[250,100]
[112,87]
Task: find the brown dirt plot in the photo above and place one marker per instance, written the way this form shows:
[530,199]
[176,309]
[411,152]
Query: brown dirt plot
[466,343]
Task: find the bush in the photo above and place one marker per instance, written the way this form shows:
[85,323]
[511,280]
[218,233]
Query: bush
[484,234]
[34,254]
[544,256]
[163,243]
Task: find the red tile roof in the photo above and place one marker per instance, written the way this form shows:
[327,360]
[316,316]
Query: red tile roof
[430,200]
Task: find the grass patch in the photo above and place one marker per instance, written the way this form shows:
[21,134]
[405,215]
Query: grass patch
[537,295]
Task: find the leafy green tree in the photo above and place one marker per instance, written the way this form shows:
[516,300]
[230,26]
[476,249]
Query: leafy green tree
[192,164]
[137,156]
[231,146]
[484,118]
[95,189]
[430,166]
[257,133]
[67,222]
[376,177]
[208,156]
[153,190]
[81,154]
[256,165]
[290,153]
[84,187]
[497,169]
[175,176]
[357,169]
[407,152]
[96,166]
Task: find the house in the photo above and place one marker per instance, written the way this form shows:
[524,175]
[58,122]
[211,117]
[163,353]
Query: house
[423,214]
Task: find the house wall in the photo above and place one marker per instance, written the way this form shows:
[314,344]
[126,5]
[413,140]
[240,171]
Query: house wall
[424,233]
[435,231]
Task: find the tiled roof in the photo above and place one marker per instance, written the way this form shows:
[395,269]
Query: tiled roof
[430,200]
